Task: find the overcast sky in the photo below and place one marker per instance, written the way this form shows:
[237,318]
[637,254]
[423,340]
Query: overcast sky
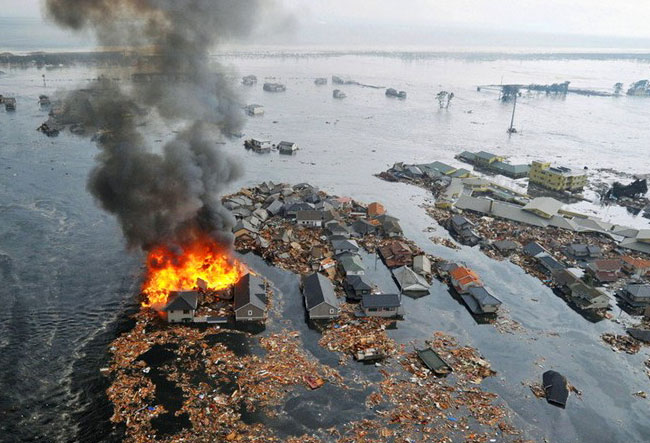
[620,18]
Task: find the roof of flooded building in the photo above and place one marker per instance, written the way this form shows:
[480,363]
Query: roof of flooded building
[250,289]
[381,301]
[318,289]
[182,301]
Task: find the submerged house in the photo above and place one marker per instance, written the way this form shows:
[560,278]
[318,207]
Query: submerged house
[351,264]
[505,247]
[464,230]
[356,286]
[422,265]
[584,252]
[396,253]
[636,295]
[341,246]
[287,148]
[583,295]
[258,145]
[181,306]
[255,110]
[533,249]
[363,227]
[381,305]
[320,298]
[311,218]
[409,282]
[549,265]
[637,267]
[480,301]
[250,299]
[606,271]
[274,87]
[464,278]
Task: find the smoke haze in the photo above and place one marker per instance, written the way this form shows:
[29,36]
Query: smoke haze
[161,197]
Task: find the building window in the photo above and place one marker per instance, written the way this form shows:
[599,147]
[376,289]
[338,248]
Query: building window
[250,313]
[185,311]
[373,309]
[332,311]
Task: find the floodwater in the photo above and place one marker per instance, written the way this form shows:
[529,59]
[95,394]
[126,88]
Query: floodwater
[67,280]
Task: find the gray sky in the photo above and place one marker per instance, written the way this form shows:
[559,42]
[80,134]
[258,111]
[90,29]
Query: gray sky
[620,18]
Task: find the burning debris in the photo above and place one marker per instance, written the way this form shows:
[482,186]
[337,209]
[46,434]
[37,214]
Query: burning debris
[173,269]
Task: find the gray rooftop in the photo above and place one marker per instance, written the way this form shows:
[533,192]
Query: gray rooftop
[409,281]
[358,282]
[485,155]
[310,215]
[250,289]
[546,205]
[345,244]
[482,296]
[381,301]
[550,263]
[182,301]
[351,262]
[318,289]
[638,290]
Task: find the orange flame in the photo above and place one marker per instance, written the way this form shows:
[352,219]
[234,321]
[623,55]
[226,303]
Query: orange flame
[203,258]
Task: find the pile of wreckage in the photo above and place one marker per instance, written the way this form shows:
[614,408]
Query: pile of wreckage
[188,383]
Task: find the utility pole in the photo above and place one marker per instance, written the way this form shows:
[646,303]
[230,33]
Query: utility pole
[512,120]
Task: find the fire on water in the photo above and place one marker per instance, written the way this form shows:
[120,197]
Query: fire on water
[169,270]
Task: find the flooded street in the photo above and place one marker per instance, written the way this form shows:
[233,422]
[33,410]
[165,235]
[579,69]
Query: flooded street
[67,279]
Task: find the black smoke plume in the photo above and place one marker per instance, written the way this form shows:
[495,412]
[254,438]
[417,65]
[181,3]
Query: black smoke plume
[161,197]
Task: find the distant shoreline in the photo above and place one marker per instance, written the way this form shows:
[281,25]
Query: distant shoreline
[120,55]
